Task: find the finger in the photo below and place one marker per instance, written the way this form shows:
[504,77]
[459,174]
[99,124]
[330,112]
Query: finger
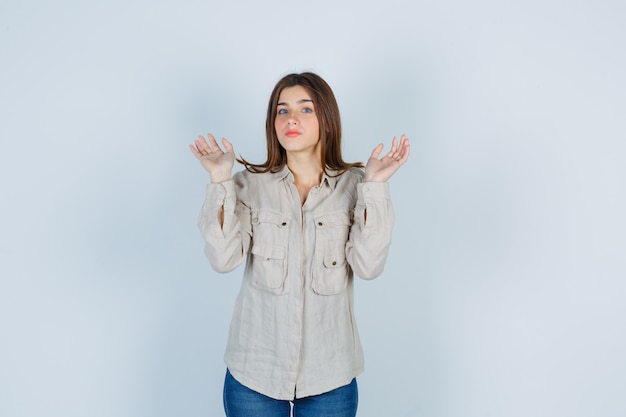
[202,145]
[227,145]
[406,150]
[405,140]
[213,143]
[405,156]
[394,144]
[394,148]
[377,150]
[195,151]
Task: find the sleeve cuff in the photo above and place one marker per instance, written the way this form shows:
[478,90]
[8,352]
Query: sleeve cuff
[373,190]
[221,194]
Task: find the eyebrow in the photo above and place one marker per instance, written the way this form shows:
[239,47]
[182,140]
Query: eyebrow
[304,100]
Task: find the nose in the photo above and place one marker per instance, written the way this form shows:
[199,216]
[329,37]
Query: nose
[292,120]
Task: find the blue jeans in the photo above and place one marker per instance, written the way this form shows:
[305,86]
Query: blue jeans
[240,401]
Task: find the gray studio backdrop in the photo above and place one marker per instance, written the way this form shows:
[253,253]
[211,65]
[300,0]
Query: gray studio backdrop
[504,292]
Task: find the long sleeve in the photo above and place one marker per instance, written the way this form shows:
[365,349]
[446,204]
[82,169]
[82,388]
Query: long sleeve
[225,245]
[370,235]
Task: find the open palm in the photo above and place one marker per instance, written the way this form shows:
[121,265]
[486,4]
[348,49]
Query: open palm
[218,162]
[382,169]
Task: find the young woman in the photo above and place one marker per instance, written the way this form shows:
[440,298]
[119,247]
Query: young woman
[304,221]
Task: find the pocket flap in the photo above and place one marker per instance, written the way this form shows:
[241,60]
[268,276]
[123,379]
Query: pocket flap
[268,251]
[334,260]
[270,216]
[336,218]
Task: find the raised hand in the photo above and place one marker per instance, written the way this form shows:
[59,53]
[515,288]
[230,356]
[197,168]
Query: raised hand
[219,163]
[382,169]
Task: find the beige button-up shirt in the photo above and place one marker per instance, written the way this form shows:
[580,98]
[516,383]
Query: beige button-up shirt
[293,332]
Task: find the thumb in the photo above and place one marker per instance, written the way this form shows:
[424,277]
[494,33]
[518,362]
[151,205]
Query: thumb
[377,150]
[227,145]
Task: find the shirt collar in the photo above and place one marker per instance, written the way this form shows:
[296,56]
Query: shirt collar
[329,178]
[282,174]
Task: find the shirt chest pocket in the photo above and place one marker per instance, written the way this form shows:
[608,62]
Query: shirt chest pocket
[330,268]
[267,263]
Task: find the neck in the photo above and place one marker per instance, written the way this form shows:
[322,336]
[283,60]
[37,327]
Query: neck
[306,169]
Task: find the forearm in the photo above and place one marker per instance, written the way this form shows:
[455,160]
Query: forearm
[370,235]
[221,228]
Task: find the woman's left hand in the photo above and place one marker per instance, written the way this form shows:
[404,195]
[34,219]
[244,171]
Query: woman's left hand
[382,169]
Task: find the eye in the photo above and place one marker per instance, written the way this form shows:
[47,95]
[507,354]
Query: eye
[282,111]
[307,110]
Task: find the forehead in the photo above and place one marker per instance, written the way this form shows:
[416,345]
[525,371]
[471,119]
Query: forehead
[293,94]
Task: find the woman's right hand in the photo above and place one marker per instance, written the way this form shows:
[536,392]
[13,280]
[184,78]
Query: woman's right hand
[219,163]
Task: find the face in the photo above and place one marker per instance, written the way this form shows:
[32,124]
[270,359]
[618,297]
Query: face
[296,124]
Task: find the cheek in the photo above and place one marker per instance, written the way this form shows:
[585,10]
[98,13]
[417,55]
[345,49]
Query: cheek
[315,122]
[278,127]
[278,123]
[316,125]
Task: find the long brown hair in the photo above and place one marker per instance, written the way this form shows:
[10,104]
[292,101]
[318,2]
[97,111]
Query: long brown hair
[327,113]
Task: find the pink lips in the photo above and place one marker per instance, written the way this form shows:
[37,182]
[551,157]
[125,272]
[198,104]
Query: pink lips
[292,133]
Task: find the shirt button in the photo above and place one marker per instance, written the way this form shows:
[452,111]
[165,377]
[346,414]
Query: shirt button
[284,224]
[334,263]
[320,223]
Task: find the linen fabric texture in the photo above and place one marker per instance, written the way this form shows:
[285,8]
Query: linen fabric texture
[293,332]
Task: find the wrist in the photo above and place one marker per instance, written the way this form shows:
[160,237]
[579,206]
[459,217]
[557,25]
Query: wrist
[220,175]
[373,179]
[218,180]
